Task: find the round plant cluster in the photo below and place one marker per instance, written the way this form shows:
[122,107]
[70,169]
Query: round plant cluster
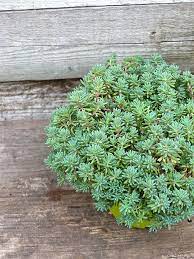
[126,136]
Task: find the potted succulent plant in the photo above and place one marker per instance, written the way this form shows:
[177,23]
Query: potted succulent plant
[126,136]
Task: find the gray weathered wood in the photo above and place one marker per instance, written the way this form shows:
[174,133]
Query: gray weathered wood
[40,220]
[65,43]
[35,100]
[54,62]
[107,25]
[41,4]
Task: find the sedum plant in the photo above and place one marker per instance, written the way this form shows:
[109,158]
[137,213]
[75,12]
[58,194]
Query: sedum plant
[126,136]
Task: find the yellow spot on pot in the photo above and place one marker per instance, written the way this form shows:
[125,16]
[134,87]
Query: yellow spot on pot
[115,211]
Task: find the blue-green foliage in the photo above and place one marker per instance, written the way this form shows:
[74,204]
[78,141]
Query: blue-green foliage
[126,136]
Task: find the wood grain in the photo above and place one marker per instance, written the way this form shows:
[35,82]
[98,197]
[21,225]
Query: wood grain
[98,25]
[7,5]
[65,43]
[32,99]
[40,220]
[18,63]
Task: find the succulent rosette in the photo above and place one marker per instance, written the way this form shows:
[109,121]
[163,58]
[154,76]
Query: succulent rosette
[126,136]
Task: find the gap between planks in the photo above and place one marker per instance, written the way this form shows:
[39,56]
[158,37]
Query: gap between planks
[22,5]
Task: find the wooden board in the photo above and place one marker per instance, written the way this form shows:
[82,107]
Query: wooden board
[34,100]
[7,5]
[18,63]
[40,220]
[66,42]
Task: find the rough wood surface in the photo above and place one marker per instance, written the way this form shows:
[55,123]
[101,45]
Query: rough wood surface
[34,100]
[40,220]
[18,63]
[42,4]
[65,43]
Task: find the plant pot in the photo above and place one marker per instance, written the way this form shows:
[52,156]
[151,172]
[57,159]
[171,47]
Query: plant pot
[114,210]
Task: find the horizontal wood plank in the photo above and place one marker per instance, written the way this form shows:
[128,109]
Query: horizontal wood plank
[98,25]
[54,62]
[32,99]
[65,43]
[40,220]
[7,5]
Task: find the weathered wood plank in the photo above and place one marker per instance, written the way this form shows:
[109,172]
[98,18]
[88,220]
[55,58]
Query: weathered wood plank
[55,62]
[40,220]
[65,43]
[35,100]
[98,25]
[41,4]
